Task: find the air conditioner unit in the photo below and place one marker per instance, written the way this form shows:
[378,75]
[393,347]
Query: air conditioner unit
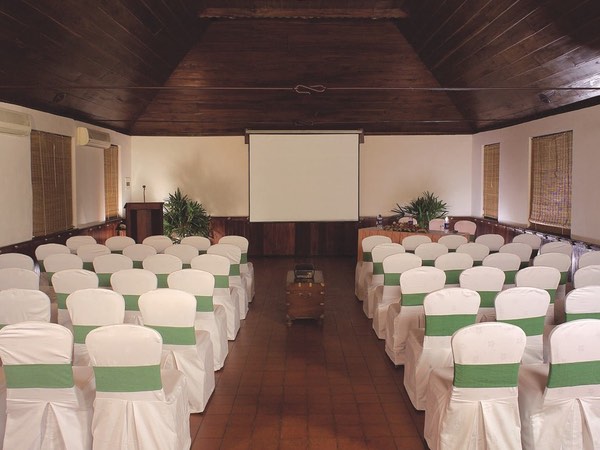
[92,138]
[13,122]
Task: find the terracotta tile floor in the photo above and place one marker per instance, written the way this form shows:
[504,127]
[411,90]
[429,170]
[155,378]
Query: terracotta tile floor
[310,386]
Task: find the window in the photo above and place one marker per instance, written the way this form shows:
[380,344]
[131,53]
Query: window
[111,182]
[491,177]
[551,163]
[51,183]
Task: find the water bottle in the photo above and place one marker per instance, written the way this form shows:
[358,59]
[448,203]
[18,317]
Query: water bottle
[446,224]
[379,222]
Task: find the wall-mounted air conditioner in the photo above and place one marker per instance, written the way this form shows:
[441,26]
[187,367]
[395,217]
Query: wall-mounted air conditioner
[13,122]
[92,138]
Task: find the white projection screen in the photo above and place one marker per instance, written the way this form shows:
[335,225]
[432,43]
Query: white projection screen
[304,177]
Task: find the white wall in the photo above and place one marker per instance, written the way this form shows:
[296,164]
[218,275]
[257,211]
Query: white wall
[15,176]
[397,169]
[513,207]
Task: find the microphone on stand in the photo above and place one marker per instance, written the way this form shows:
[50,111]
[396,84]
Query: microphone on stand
[144,188]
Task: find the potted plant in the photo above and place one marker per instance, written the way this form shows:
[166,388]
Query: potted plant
[183,217]
[423,209]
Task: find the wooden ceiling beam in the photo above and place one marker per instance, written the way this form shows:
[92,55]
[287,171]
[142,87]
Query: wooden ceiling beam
[302,13]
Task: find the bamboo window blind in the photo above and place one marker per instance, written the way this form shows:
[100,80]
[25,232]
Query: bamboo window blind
[551,167]
[491,177]
[111,182]
[51,183]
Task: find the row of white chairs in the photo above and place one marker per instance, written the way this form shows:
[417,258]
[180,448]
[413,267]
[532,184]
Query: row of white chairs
[128,398]
[487,399]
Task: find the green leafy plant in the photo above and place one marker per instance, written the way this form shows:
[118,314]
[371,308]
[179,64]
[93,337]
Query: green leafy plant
[423,209]
[183,217]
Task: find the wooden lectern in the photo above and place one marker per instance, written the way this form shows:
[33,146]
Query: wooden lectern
[143,220]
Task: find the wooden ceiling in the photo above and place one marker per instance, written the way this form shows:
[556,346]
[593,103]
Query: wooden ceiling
[191,67]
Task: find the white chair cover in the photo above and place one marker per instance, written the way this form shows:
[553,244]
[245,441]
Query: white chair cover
[132,283]
[246,267]
[23,305]
[491,241]
[106,265]
[408,314]
[15,277]
[74,242]
[541,277]
[365,267]
[589,259]
[234,254]
[565,248]
[583,303]
[436,224]
[44,250]
[473,406]
[446,311]
[587,276]
[18,260]
[61,261]
[159,242]
[533,240]
[411,242]
[562,410]
[487,282]
[219,267]
[90,309]
[66,282]
[172,313]
[138,252]
[184,252]
[562,262]
[209,317]
[526,308]
[200,242]
[116,244]
[465,226]
[453,264]
[477,251]
[87,252]
[48,402]
[523,251]
[453,241]
[375,280]
[393,267]
[138,406]
[429,251]
[162,265]
[507,262]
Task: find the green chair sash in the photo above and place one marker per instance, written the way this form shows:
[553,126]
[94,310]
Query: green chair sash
[202,252]
[428,262]
[446,325]
[244,258]
[524,264]
[234,269]
[80,332]
[377,268]
[576,316]
[162,280]
[186,266]
[88,266]
[176,335]
[532,326]
[552,293]
[509,276]
[104,279]
[41,264]
[574,374]
[487,298]
[49,275]
[204,303]
[52,376]
[564,277]
[138,265]
[118,252]
[477,263]
[131,302]
[486,375]
[413,299]
[61,300]
[391,279]
[453,276]
[128,379]
[221,281]
[367,257]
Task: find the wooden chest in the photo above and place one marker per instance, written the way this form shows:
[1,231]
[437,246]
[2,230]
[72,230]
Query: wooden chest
[305,300]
